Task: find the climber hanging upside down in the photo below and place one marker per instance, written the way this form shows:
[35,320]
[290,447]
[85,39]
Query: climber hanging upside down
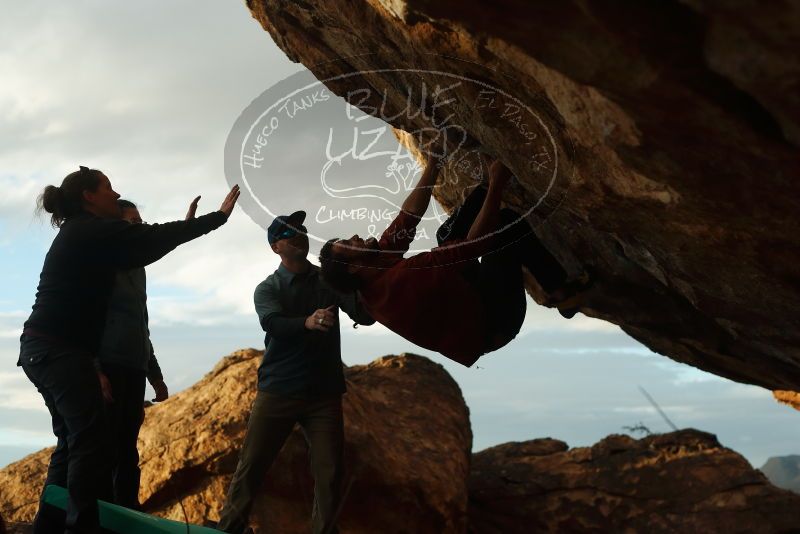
[445,299]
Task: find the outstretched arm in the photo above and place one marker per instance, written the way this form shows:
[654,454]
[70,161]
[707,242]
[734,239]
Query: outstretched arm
[486,223]
[417,202]
[489,216]
[127,246]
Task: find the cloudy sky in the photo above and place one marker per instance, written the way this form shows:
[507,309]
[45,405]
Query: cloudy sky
[148,92]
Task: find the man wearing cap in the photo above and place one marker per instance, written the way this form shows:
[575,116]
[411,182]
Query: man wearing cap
[300,379]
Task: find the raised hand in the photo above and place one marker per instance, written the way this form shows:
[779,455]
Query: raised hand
[230,201]
[322,319]
[192,208]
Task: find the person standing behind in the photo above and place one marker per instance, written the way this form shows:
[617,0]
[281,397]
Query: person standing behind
[126,359]
[300,379]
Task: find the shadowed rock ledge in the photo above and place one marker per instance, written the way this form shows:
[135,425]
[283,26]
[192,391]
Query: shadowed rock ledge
[666,143]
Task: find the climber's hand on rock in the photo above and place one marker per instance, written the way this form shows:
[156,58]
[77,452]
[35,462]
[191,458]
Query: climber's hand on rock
[433,162]
[499,174]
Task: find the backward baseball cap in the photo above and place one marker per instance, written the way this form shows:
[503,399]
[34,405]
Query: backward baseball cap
[282,222]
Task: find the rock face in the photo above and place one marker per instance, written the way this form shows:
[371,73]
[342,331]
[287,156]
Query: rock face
[679,482]
[789,398]
[656,144]
[17,528]
[21,484]
[408,446]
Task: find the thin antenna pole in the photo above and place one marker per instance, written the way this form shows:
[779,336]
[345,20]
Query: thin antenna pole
[657,407]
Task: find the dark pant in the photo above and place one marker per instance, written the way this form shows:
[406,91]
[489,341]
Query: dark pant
[271,421]
[67,380]
[125,417]
[499,278]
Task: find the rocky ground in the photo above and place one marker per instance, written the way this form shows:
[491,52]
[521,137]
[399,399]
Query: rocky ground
[410,468]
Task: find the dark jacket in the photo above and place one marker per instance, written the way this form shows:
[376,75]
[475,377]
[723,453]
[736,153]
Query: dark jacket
[299,362]
[126,339]
[79,270]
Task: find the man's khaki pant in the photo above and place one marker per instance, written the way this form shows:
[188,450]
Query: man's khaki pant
[271,421]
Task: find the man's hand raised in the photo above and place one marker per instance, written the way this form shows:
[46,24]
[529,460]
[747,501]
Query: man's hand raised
[322,319]
[230,201]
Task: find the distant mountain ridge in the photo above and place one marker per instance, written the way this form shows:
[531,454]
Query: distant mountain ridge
[784,471]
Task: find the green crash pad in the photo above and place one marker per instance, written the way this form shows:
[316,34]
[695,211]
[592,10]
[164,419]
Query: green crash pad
[124,521]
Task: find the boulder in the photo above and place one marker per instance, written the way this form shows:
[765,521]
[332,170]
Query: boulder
[21,484]
[655,144]
[408,442]
[19,528]
[684,481]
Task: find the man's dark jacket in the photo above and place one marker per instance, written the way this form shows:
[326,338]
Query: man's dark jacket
[299,362]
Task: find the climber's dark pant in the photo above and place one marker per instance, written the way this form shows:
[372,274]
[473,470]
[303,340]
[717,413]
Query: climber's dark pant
[125,417]
[271,421]
[498,277]
[67,380]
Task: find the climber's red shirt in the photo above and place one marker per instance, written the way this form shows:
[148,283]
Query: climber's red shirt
[426,298]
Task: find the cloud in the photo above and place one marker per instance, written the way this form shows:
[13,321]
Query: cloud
[11,324]
[17,392]
[74,96]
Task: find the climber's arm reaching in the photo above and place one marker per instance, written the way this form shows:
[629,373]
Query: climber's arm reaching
[417,202]
[489,217]
[481,237]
